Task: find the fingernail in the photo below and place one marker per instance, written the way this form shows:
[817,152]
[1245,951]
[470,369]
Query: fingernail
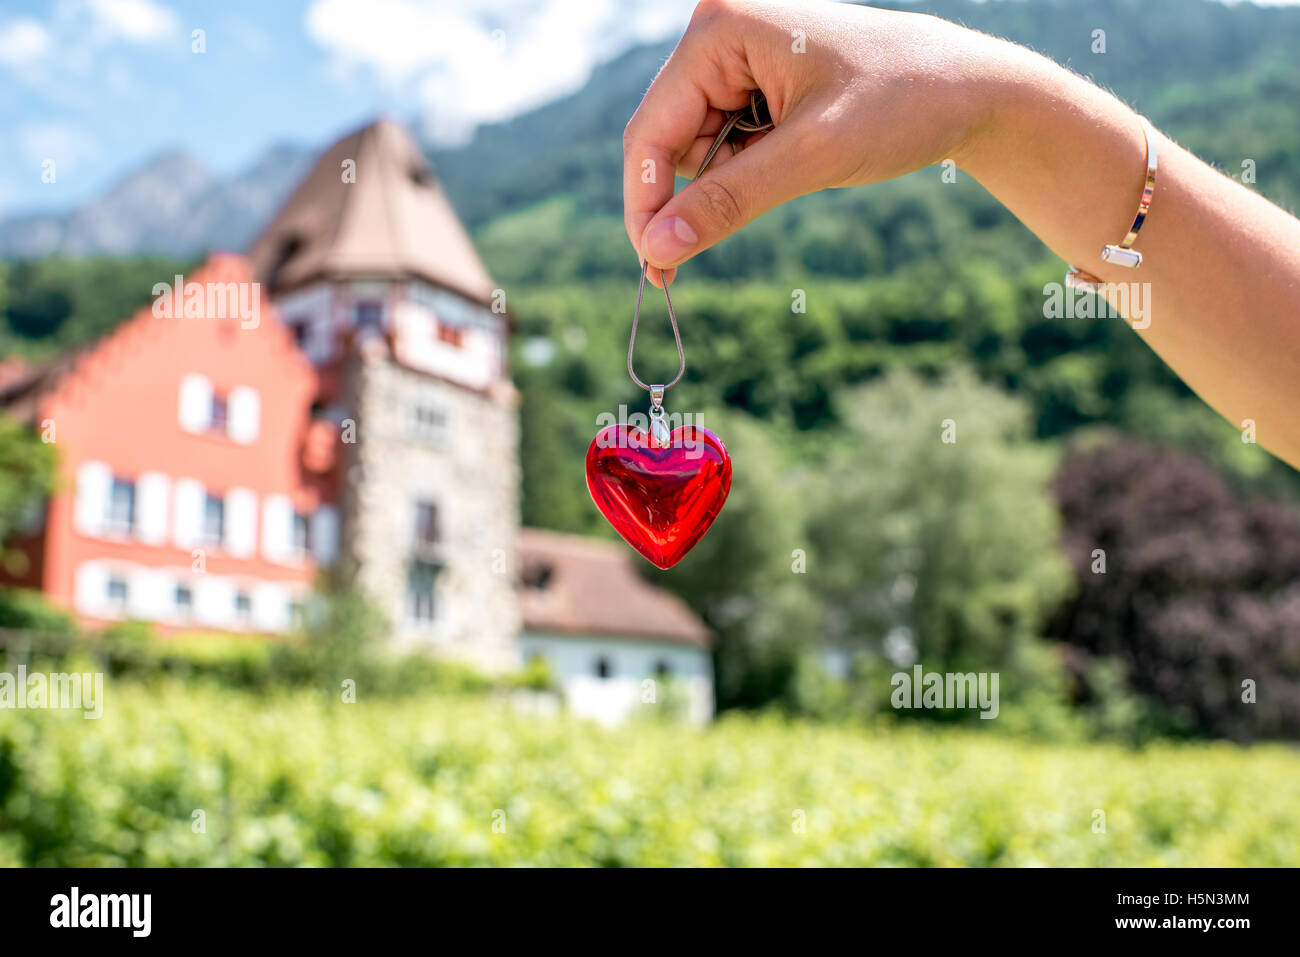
[669,240]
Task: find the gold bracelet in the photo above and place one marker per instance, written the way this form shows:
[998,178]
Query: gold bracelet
[1124,254]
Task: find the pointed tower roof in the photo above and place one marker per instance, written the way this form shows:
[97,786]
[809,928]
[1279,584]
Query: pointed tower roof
[393,222]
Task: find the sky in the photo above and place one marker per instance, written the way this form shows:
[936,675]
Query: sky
[102,86]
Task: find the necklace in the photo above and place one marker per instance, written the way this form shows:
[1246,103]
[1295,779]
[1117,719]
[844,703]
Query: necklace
[661,488]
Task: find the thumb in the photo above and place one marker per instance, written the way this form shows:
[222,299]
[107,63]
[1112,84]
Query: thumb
[709,209]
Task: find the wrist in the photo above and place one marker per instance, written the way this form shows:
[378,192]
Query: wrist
[1008,85]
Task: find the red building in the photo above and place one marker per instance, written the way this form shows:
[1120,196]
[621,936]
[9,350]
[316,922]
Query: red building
[217,451]
[189,487]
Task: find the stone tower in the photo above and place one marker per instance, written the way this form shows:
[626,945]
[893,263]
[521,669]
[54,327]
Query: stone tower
[371,269]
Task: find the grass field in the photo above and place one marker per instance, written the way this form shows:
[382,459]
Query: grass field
[291,778]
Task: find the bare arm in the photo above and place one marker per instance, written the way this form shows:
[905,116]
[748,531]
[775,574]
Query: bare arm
[875,94]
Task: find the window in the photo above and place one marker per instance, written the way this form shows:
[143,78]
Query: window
[428,424]
[426,524]
[420,591]
[537,575]
[299,329]
[214,520]
[604,668]
[301,539]
[451,335]
[290,246]
[117,594]
[121,507]
[220,413]
[663,669]
[243,608]
[370,314]
[184,599]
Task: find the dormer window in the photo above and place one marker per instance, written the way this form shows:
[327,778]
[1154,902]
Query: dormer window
[289,247]
[298,327]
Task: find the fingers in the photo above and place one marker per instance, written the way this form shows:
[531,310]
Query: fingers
[661,131]
[730,194]
[684,103]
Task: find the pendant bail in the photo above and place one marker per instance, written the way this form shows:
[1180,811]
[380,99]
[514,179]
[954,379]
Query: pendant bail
[660,436]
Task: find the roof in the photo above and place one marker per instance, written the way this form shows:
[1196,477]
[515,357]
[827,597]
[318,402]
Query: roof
[20,393]
[579,586]
[393,222]
[12,369]
[22,390]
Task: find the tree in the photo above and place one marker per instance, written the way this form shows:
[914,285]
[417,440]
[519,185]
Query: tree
[26,475]
[935,538]
[746,577]
[1199,591]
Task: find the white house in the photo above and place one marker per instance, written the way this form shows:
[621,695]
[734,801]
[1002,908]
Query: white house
[615,643]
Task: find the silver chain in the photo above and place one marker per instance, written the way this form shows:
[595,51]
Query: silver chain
[745,121]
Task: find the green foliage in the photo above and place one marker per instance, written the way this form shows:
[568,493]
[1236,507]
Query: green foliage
[293,778]
[535,676]
[343,633]
[949,545]
[26,476]
[23,609]
[58,303]
[739,577]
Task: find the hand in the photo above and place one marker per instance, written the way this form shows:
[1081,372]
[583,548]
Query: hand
[858,95]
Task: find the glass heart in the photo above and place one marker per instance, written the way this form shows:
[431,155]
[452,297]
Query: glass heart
[660,499]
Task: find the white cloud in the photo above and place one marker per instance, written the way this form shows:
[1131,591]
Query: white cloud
[475,61]
[22,41]
[70,57]
[138,21]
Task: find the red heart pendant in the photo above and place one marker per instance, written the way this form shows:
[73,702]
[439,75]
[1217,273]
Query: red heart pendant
[660,499]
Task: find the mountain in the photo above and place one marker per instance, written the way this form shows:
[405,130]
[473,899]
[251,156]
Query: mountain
[1220,78]
[174,205]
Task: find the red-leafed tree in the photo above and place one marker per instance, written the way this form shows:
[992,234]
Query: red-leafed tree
[1200,592]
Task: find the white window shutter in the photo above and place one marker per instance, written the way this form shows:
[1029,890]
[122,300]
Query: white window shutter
[152,494]
[241,522]
[277,528]
[188,524]
[214,601]
[244,415]
[270,608]
[324,534]
[196,403]
[149,593]
[91,588]
[94,482]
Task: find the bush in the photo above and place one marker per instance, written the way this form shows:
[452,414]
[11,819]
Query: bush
[296,778]
[22,609]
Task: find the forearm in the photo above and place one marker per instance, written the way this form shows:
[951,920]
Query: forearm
[1222,263]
